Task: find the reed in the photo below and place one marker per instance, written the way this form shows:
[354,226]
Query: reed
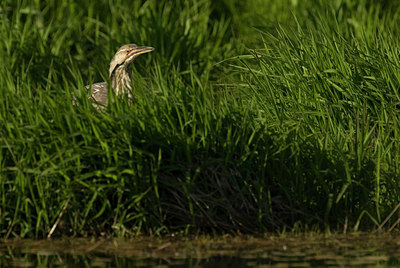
[246,117]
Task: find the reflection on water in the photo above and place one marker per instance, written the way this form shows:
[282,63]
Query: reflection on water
[33,260]
[225,251]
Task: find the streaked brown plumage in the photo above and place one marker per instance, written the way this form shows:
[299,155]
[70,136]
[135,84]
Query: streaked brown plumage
[119,72]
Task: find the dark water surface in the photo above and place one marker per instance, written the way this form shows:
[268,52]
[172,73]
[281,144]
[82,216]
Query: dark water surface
[362,250]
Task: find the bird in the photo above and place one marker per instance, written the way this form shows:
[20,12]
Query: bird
[119,73]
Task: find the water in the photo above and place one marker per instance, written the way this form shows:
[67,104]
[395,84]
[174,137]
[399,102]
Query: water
[362,250]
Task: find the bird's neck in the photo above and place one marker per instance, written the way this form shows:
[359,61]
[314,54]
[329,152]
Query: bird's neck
[121,81]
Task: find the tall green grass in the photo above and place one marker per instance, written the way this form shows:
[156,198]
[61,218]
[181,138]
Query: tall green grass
[239,122]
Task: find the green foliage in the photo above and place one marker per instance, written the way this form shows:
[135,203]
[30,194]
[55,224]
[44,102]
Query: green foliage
[301,129]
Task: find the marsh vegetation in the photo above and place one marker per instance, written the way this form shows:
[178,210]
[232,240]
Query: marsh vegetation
[249,116]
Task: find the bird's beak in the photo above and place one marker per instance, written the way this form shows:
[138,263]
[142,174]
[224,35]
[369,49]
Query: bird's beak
[140,50]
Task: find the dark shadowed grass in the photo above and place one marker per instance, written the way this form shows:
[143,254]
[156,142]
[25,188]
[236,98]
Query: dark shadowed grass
[300,131]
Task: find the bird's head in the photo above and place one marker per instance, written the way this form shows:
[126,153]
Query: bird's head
[126,54]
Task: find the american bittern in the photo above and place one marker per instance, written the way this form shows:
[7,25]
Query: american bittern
[119,72]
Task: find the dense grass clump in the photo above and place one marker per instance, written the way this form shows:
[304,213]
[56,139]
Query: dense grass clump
[249,117]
